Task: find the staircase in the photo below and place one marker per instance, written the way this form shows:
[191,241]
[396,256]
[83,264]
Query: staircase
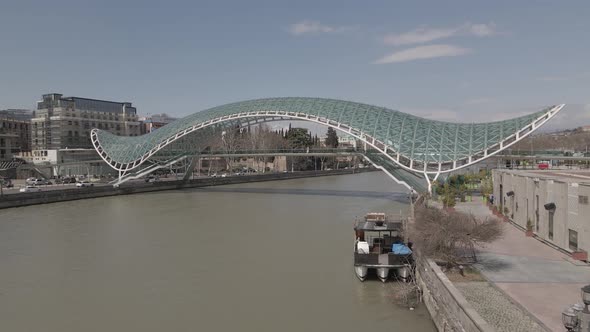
[413,180]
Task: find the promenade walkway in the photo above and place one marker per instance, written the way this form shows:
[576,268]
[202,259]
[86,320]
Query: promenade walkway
[540,279]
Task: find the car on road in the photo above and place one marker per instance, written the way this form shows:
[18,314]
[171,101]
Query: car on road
[65,180]
[37,182]
[83,184]
[152,178]
[29,189]
[6,183]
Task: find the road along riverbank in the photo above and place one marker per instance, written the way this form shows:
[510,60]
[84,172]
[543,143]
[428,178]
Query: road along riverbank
[73,193]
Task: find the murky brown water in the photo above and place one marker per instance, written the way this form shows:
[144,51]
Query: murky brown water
[271,256]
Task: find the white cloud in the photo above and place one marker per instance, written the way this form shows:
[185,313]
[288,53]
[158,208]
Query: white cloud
[425,35]
[480,30]
[314,27]
[423,52]
[421,35]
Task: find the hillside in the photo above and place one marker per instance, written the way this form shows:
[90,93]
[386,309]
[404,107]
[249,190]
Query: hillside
[577,140]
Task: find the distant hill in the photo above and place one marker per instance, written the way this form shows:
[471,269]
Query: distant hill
[571,139]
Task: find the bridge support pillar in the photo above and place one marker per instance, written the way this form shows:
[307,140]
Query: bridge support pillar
[190,169]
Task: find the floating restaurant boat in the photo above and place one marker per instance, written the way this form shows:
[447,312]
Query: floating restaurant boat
[379,245]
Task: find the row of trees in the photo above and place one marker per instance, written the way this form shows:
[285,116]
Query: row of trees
[462,185]
[260,138]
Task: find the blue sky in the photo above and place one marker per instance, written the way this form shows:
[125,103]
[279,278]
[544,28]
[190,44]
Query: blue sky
[451,60]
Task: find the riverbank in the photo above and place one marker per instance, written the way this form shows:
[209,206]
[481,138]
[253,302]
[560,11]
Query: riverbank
[73,193]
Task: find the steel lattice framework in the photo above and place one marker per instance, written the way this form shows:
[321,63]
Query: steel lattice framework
[415,144]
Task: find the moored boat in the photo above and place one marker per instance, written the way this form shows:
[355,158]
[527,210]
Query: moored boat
[379,246]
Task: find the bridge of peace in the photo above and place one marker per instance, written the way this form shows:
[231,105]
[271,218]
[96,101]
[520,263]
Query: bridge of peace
[412,150]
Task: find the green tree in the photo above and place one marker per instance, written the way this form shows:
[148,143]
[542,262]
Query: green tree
[449,195]
[331,140]
[299,138]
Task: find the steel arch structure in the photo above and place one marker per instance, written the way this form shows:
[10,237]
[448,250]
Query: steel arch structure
[413,143]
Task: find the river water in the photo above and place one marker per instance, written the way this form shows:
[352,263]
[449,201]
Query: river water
[269,256]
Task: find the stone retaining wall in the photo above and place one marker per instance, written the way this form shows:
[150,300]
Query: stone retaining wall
[73,193]
[449,310]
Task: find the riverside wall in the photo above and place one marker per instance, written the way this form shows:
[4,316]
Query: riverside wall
[73,193]
[449,310]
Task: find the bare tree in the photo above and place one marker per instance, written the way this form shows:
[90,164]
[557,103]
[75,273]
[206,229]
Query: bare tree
[451,237]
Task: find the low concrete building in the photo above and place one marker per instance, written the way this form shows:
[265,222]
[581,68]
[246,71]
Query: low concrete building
[63,162]
[554,204]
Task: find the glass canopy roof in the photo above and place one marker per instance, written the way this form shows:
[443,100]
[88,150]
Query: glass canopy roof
[414,142]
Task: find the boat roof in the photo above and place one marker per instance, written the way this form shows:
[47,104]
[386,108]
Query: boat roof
[371,226]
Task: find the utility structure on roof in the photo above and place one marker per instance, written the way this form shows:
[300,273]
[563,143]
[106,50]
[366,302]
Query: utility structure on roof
[402,142]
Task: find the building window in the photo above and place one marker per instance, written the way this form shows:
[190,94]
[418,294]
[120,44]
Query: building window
[573,240]
[550,232]
[583,199]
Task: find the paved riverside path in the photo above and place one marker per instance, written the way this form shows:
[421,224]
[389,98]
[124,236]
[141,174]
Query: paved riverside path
[541,279]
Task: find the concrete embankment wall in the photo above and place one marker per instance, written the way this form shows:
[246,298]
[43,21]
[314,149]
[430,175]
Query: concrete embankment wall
[73,193]
[449,310]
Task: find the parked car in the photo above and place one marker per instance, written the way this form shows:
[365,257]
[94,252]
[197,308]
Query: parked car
[82,184]
[223,175]
[152,178]
[6,183]
[29,189]
[41,182]
[65,180]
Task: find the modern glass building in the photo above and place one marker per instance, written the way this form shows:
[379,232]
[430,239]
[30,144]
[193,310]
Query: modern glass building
[398,141]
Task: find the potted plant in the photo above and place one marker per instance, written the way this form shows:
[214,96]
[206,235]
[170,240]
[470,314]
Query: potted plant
[498,210]
[529,228]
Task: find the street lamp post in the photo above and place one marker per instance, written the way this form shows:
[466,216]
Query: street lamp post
[577,317]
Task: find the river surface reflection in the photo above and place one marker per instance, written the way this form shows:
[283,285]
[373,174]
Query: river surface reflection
[269,256]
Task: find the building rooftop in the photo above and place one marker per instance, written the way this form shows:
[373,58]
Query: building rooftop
[560,175]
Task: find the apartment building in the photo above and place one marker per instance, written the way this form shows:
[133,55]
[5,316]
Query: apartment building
[65,122]
[15,132]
